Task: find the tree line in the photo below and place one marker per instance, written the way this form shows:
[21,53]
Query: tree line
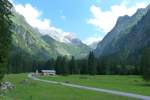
[63,65]
[22,62]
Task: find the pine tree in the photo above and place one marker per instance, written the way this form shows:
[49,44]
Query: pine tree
[73,66]
[58,65]
[64,66]
[145,64]
[83,65]
[92,64]
[5,34]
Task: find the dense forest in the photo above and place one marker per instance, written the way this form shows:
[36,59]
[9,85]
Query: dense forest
[22,62]
[5,34]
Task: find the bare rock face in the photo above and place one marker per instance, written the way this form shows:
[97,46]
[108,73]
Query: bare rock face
[128,38]
[6,86]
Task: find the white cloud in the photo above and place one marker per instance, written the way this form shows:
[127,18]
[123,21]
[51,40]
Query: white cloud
[10,1]
[34,17]
[105,20]
[59,34]
[93,39]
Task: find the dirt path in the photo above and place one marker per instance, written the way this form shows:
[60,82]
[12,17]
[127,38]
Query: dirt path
[137,96]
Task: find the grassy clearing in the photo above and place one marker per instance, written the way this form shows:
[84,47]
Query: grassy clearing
[34,90]
[133,84]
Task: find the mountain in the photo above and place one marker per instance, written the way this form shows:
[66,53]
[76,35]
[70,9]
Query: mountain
[31,41]
[136,41]
[74,41]
[93,45]
[114,42]
[62,48]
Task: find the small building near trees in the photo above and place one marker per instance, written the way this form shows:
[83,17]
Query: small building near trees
[48,72]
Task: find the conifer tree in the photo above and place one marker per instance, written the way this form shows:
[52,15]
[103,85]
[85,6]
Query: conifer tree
[5,34]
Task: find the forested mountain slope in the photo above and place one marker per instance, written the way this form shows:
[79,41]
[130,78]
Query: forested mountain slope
[31,41]
[123,27]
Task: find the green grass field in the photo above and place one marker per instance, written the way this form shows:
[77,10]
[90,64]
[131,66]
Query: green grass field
[34,90]
[133,84]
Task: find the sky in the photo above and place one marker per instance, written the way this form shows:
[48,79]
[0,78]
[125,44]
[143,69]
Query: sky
[88,20]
